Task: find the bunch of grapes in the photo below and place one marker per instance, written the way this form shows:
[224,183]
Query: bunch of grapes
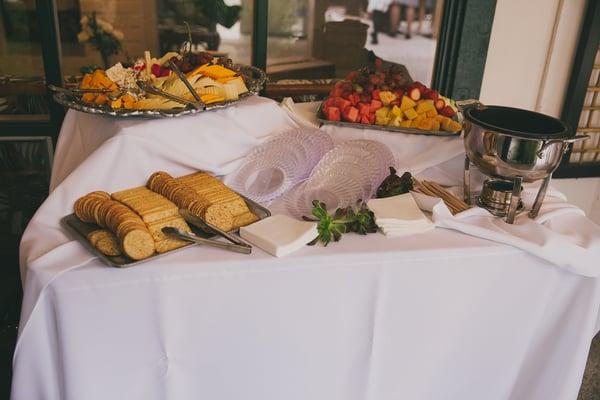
[190,61]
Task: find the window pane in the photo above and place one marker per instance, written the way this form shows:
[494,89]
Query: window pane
[325,39]
[21,65]
[154,25]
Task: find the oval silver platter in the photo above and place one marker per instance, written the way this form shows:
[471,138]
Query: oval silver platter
[384,128]
[254,78]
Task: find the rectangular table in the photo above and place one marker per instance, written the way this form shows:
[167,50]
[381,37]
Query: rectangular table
[430,316]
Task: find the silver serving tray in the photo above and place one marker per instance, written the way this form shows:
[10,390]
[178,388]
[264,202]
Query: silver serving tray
[392,129]
[254,77]
[80,231]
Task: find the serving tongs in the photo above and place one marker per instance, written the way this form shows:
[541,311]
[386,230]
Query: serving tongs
[209,228]
[178,233]
[185,81]
[112,94]
[148,88]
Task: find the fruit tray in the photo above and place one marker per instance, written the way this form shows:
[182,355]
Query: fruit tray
[412,131]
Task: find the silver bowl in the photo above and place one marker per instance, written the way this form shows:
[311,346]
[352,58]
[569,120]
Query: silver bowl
[507,143]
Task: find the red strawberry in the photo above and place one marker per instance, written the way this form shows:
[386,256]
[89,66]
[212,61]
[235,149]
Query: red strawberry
[364,120]
[414,94]
[352,76]
[447,111]
[365,98]
[375,94]
[431,94]
[419,85]
[439,104]
[333,114]
[371,118]
[354,99]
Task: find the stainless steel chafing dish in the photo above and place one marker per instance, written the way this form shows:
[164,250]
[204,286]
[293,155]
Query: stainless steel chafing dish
[513,146]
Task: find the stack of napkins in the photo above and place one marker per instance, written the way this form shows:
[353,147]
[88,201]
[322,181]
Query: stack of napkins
[279,235]
[399,215]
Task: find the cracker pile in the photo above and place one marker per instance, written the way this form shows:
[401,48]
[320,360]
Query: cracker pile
[206,197]
[131,231]
[131,220]
[157,212]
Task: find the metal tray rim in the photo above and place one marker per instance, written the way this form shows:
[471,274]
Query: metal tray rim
[73,102]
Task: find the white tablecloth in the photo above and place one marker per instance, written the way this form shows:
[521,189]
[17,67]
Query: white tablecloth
[440,315]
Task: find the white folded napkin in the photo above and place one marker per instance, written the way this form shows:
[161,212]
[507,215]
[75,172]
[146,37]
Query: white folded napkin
[561,234]
[279,234]
[399,215]
[302,113]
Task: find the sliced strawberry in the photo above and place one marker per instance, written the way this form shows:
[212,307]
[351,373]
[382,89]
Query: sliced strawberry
[431,94]
[374,79]
[350,114]
[447,111]
[365,119]
[371,118]
[354,99]
[375,94]
[439,104]
[375,105]
[352,76]
[333,114]
[414,94]
[419,85]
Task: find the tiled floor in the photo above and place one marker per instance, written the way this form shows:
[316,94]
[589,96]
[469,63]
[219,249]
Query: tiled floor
[590,387]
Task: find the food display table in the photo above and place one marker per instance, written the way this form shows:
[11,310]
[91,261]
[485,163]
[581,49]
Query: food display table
[440,315]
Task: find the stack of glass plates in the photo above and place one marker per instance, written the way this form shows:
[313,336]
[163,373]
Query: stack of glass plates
[280,163]
[351,172]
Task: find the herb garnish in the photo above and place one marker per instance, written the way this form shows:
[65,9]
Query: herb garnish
[333,226]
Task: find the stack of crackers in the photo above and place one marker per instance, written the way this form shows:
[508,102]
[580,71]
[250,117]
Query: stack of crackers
[206,197]
[156,212]
[121,224]
[131,220]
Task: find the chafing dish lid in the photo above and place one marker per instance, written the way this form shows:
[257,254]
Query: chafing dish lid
[517,122]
